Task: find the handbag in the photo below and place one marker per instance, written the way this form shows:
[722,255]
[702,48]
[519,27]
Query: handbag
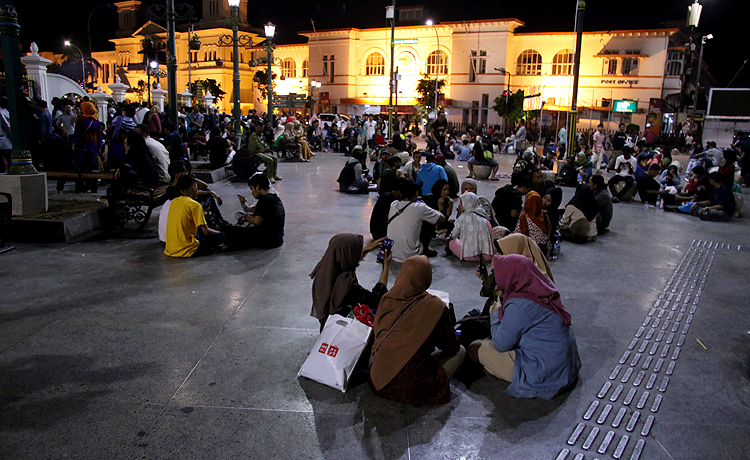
[488,155]
[336,352]
[536,234]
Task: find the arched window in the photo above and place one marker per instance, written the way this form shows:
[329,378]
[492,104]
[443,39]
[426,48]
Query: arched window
[305,66]
[529,63]
[562,63]
[437,62]
[289,68]
[375,64]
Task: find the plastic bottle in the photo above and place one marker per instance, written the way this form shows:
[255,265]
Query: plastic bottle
[660,203]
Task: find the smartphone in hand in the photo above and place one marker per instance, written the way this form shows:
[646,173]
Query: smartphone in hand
[385,248]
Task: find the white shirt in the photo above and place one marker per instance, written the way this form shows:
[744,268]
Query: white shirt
[161,157]
[404,230]
[622,168]
[410,171]
[370,127]
[139,114]
[163,215]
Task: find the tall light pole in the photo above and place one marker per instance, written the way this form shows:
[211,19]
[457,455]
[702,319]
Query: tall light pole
[83,66]
[504,72]
[270,30]
[698,76]
[88,24]
[437,65]
[581,8]
[235,7]
[390,13]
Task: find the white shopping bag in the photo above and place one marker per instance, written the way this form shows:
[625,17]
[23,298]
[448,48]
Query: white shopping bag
[442,295]
[336,352]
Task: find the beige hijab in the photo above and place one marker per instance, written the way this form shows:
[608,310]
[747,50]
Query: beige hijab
[516,243]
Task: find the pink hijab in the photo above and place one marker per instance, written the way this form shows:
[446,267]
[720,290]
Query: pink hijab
[518,278]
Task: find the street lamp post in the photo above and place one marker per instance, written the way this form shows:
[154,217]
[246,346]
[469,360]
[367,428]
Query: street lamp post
[390,13]
[437,65]
[88,24]
[83,66]
[270,30]
[698,76]
[573,121]
[235,6]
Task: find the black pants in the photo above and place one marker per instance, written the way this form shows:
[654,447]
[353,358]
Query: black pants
[209,243]
[629,182]
[426,234]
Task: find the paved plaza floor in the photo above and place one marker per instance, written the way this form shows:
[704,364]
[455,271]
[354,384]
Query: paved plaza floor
[111,350]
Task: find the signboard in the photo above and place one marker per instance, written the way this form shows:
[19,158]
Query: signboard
[402,109]
[533,98]
[655,108]
[290,100]
[405,41]
[729,102]
[622,106]
[325,97]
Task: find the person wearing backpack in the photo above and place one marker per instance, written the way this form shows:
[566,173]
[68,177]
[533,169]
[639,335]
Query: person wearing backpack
[482,156]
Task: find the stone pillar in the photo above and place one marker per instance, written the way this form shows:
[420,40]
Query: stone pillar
[186,98]
[158,95]
[118,89]
[101,98]
[36,68]
[29,192]
[208,99]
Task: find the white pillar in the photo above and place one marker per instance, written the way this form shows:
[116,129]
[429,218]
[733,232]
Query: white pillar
[118,89]
[187,98]
[158,95]
[101,98]
[208,99]
[36,69]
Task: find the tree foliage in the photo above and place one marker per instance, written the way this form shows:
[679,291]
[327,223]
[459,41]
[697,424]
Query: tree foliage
[426,91]
[199,88]
[261,78]
[71,68]
[513,109]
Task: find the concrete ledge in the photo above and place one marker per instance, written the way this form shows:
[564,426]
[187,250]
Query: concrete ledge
[209,175]
[59,226]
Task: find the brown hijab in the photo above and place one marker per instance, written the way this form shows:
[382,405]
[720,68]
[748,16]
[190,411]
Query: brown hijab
[405,319]
[334,275]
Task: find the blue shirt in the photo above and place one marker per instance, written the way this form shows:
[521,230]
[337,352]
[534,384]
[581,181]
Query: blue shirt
[428,174]
[464,152]
[546,352]
[639,172]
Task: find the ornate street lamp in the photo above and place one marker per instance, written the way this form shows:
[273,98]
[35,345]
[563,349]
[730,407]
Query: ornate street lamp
[152,70]
[83,67]
[235,20]
[698,77]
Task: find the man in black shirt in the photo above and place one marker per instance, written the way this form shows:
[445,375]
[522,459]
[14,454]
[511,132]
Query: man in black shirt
[218,149]
[618,142]
[721,205]
[508,202]
[379,217]
[439,128]
[388,180]
[267,219]
[649,189]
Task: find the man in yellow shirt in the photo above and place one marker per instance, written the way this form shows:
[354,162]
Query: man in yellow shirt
[187,232]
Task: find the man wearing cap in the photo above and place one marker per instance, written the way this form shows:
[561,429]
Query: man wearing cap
[649,136]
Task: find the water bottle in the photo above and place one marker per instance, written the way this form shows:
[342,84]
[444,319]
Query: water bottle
[660,203]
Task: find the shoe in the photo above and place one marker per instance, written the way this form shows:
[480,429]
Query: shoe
[430,253]
[615,199]
[277,177]
[272,180]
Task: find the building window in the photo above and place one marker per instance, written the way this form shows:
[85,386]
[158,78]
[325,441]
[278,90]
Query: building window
[305,68]
[529,63]
[289,68]
[610,66]
[562,63]
[332,61]
[437,62]
[674,64]
[375,64]
[485,100]
[325,65]
[410,14]
[477,64]
[630,66]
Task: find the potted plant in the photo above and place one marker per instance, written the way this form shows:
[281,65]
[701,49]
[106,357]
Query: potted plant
[219,63]
[147,43]
[195,43]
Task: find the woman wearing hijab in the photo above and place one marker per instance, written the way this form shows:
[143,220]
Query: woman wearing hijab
[409,325]
[471,233]
[532,346]
[335,288]
[304,147]
[87,139]
[439,200]
[576,224]
[289,139]
[534,222]
[551,202]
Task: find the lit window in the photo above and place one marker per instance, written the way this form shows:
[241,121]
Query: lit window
[477,64]
[305,66]
[437,62]
[375,64]
[562,63]
[529,63]
[289,68]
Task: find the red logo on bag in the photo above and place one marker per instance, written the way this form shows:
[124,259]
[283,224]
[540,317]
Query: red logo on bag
[332,351]
[323,348]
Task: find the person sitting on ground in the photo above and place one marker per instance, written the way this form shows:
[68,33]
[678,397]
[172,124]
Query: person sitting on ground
[335,288]
[219,149]
[411,169]
[568,174]
[352,178]
[411,224]
[257,146]
[450,172]
[388,180]
[463,151]
[158,152]
[471,234]
[578,222]
[714,154]
[670,177]
[523,166]
[409,326]
[625,166]
[398,143]
[267,219]
[551,201]
[482,156]
[508,202]
[548,163]
[532,346]
[721,205]
[727,167]
[138,166]
[698,187]
[641,167]
[603,203]
[469,185]
[534,222]
[381,165]
[583,166]
[428,174]
[439,200]
[185,220]
[379,216]
[649,189]
[540,185]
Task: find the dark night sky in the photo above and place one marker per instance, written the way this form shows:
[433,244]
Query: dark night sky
[54,22]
